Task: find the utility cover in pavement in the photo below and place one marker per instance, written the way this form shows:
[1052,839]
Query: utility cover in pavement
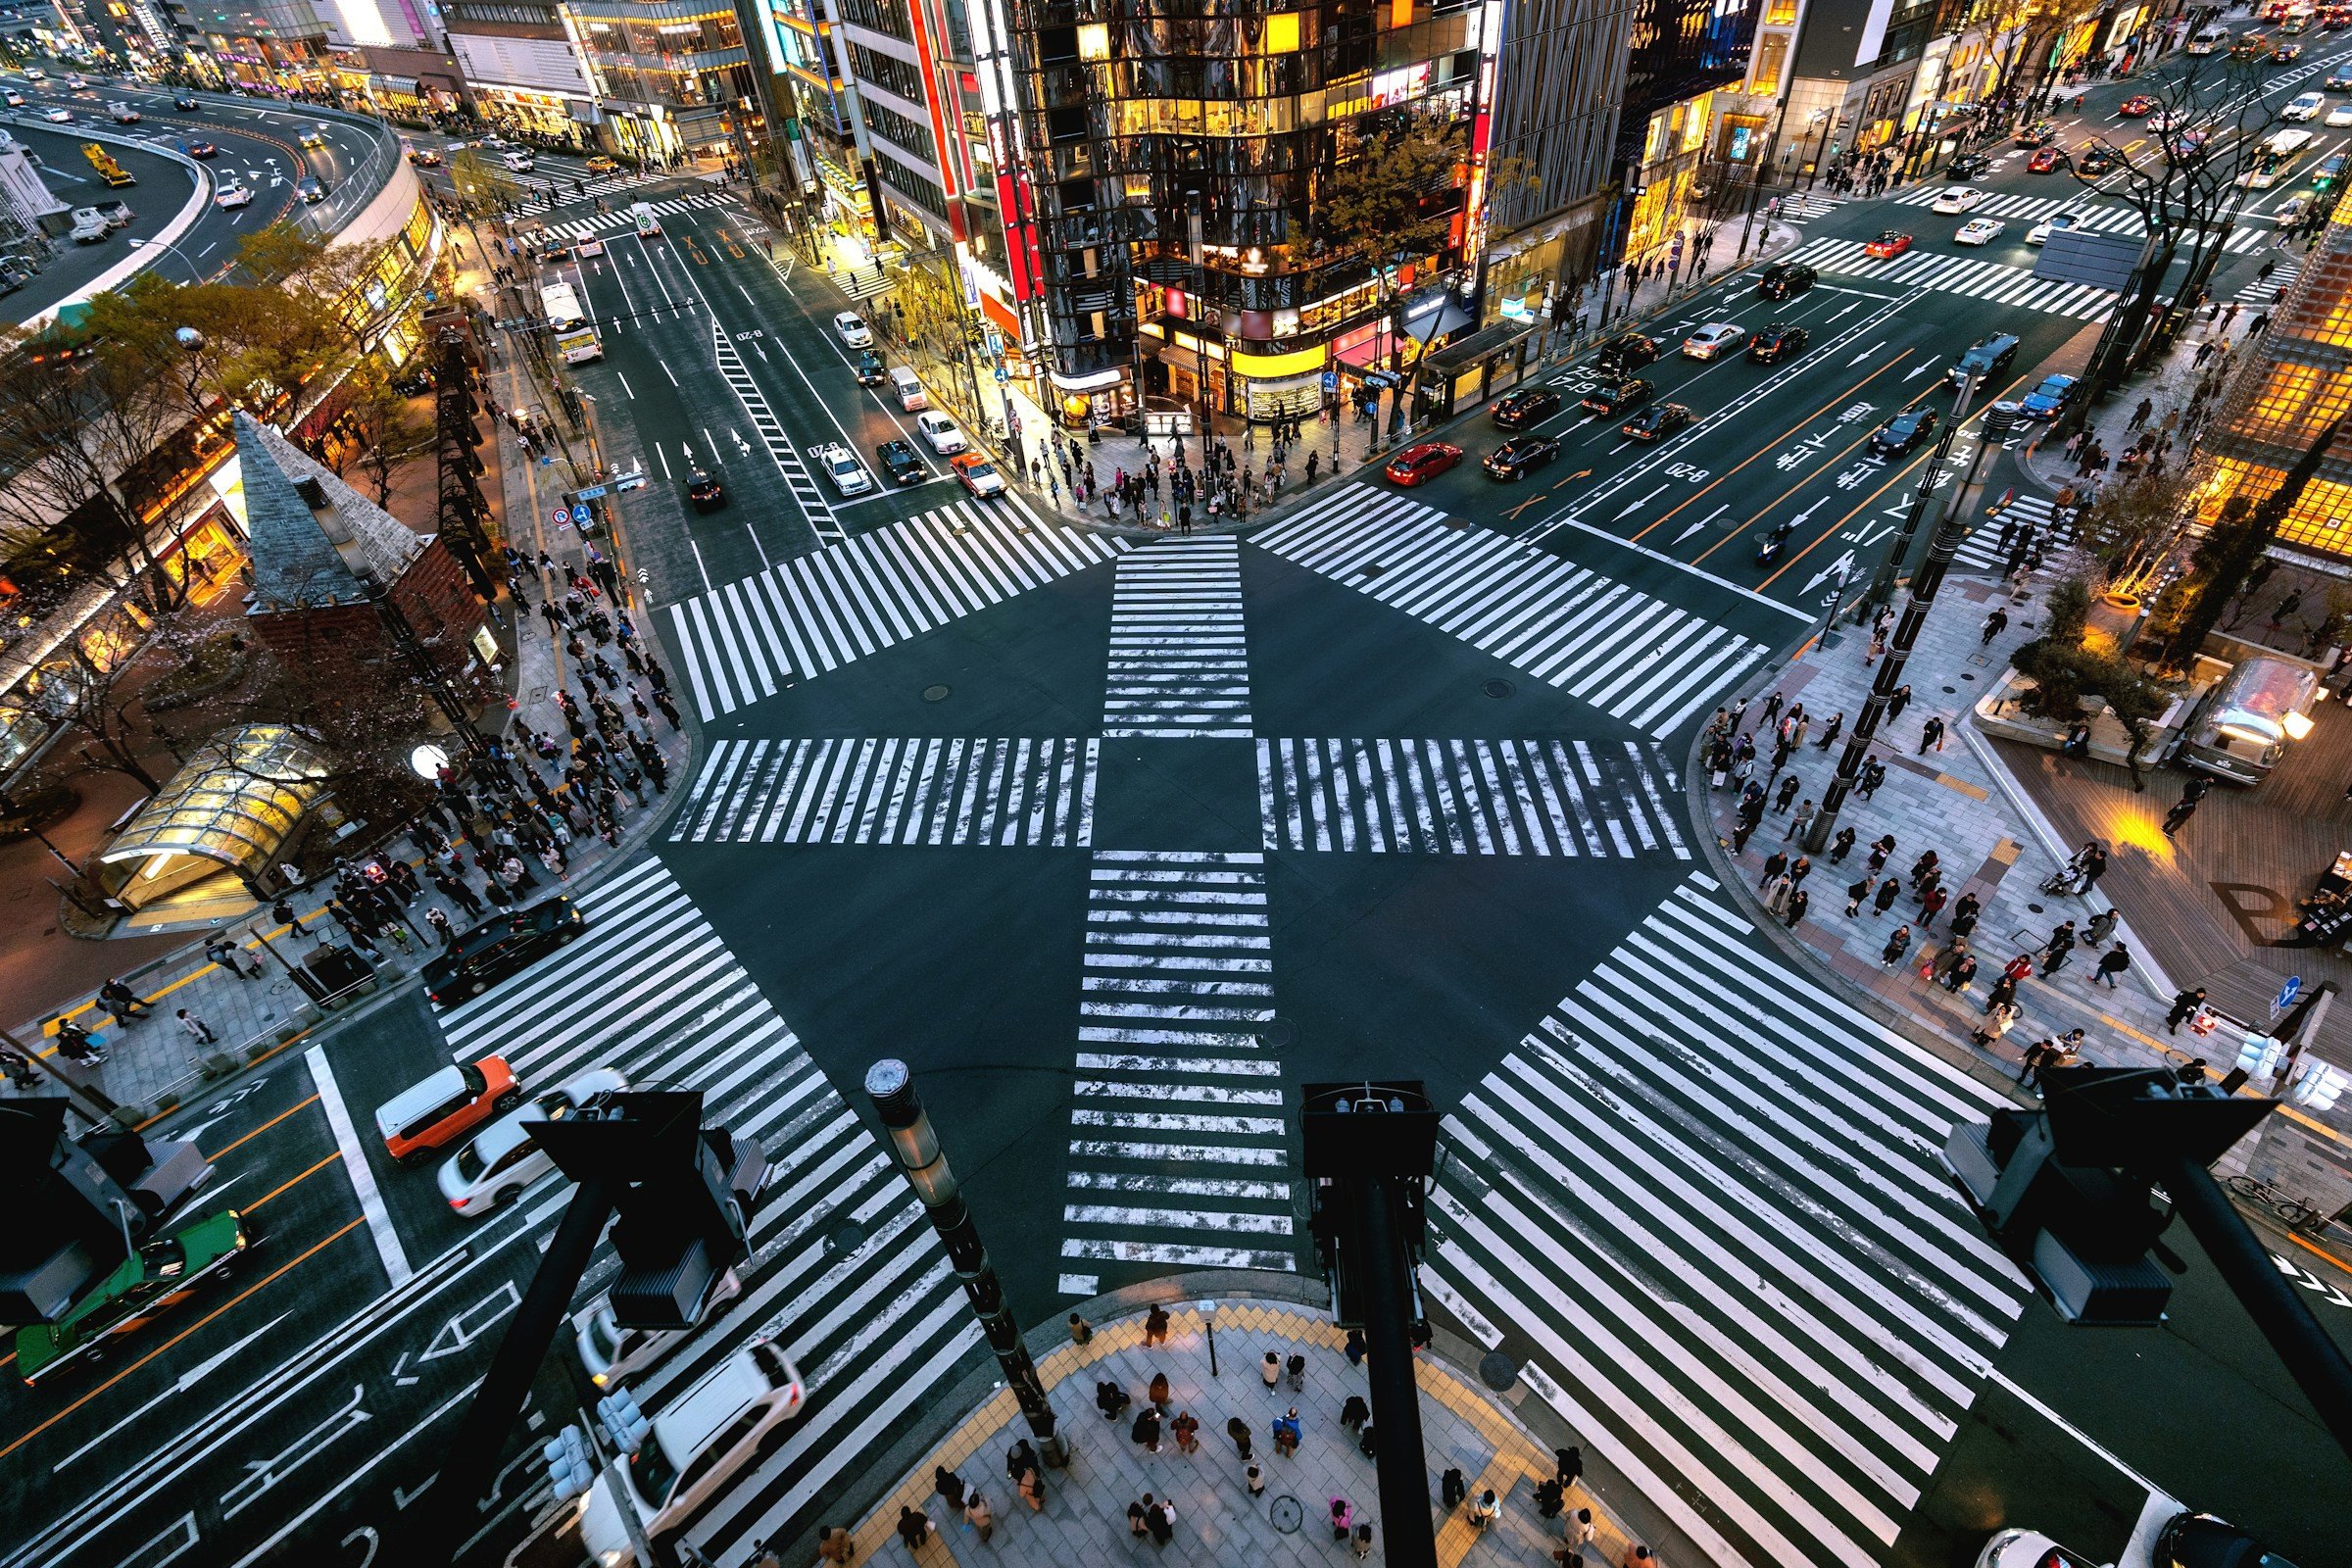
[2082,256]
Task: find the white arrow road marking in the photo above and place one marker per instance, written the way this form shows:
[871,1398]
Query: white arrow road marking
[1867,352]
[187,1380]
[463,1328]
[265,1475]
[1921,368]
[1835,568]
[1643,502]
[1702,522]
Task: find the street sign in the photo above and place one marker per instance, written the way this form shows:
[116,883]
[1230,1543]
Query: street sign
[561,516]
[579,514]
[2287,993]
[1331,381]
[1002,377]
[595,492]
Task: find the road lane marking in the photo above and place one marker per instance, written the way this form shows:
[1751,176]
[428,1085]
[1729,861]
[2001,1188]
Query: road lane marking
[355,1162]
[1684,565]
[215,1158]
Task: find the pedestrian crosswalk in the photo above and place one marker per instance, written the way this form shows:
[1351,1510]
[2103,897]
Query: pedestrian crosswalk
[845,1273]
[1179,658]
[1803,205]
[862,283]
[1631,655]
[1179,1132]
[1972,276]
[2098,217]
[576,228]
[797,479]
[1568,799]
[2027,521]
[819,612]
[1031,793]
[547,192]
[2264,292]
[1701,1199]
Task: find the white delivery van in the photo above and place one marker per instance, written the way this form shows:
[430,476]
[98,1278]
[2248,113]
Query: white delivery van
[910,388]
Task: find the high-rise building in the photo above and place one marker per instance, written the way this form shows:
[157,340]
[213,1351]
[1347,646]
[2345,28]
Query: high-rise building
[524,68]
[672,79]
[280,43]
[2291,384]
[1681,56]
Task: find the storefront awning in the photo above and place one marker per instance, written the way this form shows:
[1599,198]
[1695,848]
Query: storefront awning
[236,802]
[1092,381]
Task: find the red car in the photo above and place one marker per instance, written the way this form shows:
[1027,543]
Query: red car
[1888,245]
[2044,161]
[2139,104]
[1422,462]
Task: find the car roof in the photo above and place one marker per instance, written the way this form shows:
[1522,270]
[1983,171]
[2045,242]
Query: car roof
[427,1092]
[725,1392]
[496,1141]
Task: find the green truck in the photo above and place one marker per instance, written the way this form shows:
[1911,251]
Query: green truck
[149,1282]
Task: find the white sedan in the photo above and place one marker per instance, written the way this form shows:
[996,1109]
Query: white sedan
[233,194]
[2306,106]
[503,1158]
[854,330]
[2339,116]
[591,246]
[842,466]
[1980,231]
[1959,198]
[2056,223]
[940,432]
[59,117]
[1712,339]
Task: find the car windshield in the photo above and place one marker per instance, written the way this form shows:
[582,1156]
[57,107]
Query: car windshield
[605,1335]
[652,1475]
[469,1163]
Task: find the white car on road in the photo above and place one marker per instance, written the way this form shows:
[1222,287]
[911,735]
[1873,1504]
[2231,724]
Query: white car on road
[503,1158]
[2056,223]
[1712,339]
[842,466]
[2338,116]
[2306,106]
[233,194]
[940,432]
[1959,198]
[854,330]
[1980,231]
[58,116]
[591,246]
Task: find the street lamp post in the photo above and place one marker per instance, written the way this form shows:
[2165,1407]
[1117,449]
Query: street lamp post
[195,273]
[891,1087]
[1822,120]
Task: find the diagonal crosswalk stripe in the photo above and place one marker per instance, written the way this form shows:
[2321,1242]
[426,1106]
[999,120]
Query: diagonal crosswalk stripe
[1178,656]
[845,1273]
[1636,657]
[1179,1149]
[1703,1193]
[819,612]
[1028,792]
[1972,276]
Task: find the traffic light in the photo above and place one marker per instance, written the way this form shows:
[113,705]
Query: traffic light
[627,1424]
[569,1467]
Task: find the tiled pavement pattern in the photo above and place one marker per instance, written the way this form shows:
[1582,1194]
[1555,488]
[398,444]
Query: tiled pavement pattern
[1084,1521]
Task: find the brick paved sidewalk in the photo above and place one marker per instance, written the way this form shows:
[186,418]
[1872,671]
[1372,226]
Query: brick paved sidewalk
[1084,1520]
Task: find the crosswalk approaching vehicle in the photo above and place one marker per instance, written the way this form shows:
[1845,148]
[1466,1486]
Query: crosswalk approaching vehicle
[1701,1197]
[2098,217]
[1568,799]
[1637,658]
[845,1273]
[1972,276]
[578,228]
[1178,656]
[819,612]
[1033,793]
[1179,1131]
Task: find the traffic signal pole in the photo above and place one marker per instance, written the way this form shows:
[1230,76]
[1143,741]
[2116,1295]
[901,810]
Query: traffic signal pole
[1377,1204]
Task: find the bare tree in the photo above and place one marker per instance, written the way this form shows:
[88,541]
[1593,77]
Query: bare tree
[1391,197]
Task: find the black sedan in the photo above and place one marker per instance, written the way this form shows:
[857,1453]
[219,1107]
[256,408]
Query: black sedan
[1530,404]
[1512,458]
[871,370]
[1657,422]
[1784,281]
[705,491]
[1625,354]
[199,149]
[1777,342]
[2096,159]
[1904,432]
[1612,399]
[900,465]
[185,104]
[1968,165]
[499,947]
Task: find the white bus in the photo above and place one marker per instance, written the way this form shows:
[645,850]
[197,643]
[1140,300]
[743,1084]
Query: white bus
[648,225]
[575,334]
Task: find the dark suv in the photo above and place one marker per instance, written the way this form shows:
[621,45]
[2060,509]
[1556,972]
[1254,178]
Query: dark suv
[1985,360]
[498,948]
[1625,355]
[1785,280]
[1904,432]
[1530,404]
[1611,398]
[1777,342]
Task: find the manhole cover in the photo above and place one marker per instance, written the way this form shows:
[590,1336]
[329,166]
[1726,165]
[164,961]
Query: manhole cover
[1497,1371]
[843,1238]
[1964,675]
[1373,570]
[1278,1032]
[1948,690]
[935,694]
[1287,1515]
[1499,688]
[2032,908]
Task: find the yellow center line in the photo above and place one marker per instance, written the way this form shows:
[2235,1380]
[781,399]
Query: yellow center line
[176,1339]
[282,1186]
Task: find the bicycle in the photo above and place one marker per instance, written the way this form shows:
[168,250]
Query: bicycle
[2292,1212]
